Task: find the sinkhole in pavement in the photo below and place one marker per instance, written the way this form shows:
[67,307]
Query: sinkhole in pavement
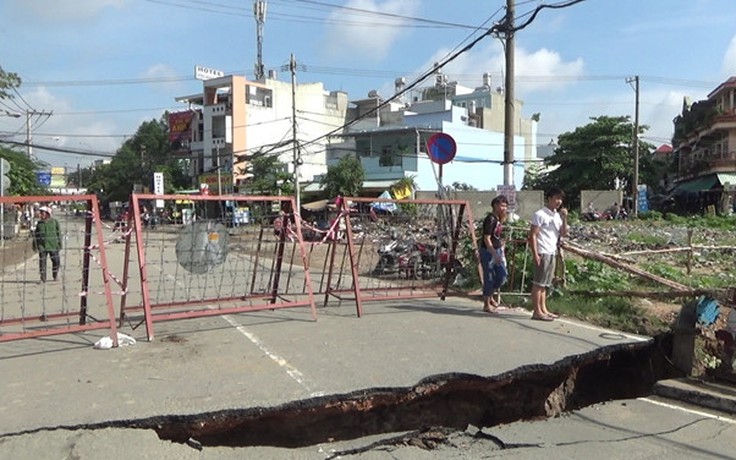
[449,401]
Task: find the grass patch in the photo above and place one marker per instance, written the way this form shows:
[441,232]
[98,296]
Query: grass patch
[617,313]
[648,239]
[591,275]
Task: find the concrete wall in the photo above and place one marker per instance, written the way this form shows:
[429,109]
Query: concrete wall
[601,199]
[527,201]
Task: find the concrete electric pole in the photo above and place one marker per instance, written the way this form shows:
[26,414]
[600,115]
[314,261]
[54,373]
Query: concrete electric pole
[635,148]
[29,128]
[508,138]
[295,143]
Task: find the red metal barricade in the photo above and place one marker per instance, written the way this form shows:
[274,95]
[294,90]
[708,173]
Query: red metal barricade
[45,293]
[200,255]
[383,249]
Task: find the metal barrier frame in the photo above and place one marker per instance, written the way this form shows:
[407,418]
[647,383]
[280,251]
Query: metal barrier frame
[92,218]
[464,216]
[271,302]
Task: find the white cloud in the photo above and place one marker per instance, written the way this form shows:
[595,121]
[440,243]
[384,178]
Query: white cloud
[543,68]
[368,36]
[660,115]
[729,60]
[159,71]
[535,71]
[55,10]
[67,128]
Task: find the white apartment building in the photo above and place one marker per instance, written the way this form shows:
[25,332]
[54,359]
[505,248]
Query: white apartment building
[233,118]
[391,142]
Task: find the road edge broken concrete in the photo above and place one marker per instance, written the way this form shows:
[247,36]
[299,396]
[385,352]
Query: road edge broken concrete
[712,395]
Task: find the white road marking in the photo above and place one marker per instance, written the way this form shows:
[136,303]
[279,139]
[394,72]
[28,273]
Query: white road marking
[600,329]
[293,372]
[689,411]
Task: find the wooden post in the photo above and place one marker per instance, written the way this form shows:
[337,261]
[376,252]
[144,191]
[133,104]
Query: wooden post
[690,250]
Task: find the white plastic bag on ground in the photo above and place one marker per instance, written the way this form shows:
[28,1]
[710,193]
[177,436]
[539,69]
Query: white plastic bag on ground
[105,343]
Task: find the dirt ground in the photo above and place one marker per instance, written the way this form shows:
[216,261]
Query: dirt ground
[15,250]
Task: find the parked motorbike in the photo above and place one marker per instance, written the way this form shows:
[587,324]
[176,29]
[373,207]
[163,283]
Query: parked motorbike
[591,216]
[612,215]
[414,260]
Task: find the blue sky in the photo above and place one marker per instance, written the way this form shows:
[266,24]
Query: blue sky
[105,66]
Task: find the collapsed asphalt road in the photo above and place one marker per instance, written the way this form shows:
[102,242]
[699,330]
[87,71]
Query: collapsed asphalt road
[449,401]
[439,404]
[278,379]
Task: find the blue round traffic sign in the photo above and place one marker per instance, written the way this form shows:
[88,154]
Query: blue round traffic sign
[441,148]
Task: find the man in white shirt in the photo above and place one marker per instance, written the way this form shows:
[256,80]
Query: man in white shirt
[548,225]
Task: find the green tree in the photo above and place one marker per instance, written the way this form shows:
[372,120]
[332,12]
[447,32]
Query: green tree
[268,176]
[8,81]
[148,151]
[343,179]
[592,157]
[79,176]
[462,186]
[22,174]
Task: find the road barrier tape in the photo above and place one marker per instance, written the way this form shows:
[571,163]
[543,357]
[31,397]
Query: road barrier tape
[86,293]
[115,239]
[330,233]
[110,274]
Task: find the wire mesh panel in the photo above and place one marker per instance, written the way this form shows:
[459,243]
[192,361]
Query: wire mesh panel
[384,249]
[55,278]
[200,255]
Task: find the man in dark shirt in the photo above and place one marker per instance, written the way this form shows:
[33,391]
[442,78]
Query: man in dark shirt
[47,241]
[493,259]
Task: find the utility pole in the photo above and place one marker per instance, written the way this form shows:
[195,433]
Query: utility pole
[635,147]
[29,134]
[508,138]
[29,129]
[297,157]
[219,174]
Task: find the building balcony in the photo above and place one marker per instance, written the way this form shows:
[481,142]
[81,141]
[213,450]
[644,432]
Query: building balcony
[726,121]
[702,166]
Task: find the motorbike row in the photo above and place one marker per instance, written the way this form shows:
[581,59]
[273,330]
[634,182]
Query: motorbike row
[412,259]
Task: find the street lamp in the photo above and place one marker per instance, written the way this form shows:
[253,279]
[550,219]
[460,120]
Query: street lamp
[7,113]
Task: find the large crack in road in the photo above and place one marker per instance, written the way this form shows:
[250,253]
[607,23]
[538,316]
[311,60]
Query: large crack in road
[432,413]
[452,401]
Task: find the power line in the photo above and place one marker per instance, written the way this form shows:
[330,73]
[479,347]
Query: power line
[358,72]
[389,15]
[407,21]
[52,148]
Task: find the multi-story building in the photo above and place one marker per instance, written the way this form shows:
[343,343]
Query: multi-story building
[392,142]
[704,146]
[234,118]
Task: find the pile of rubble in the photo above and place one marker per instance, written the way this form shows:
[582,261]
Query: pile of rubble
[623,237]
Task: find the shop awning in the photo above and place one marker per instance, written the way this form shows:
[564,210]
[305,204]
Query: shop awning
[696,185]
[318,205]
[727,178]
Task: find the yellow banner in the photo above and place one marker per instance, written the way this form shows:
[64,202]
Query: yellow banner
[402,192]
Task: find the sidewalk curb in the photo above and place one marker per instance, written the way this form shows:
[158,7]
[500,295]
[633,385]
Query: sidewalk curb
[712,395]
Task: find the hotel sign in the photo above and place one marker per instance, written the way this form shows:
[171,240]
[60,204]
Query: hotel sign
[206,73]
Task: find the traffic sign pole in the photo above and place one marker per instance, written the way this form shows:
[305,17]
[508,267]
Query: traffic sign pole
[441,148]
[4,169]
